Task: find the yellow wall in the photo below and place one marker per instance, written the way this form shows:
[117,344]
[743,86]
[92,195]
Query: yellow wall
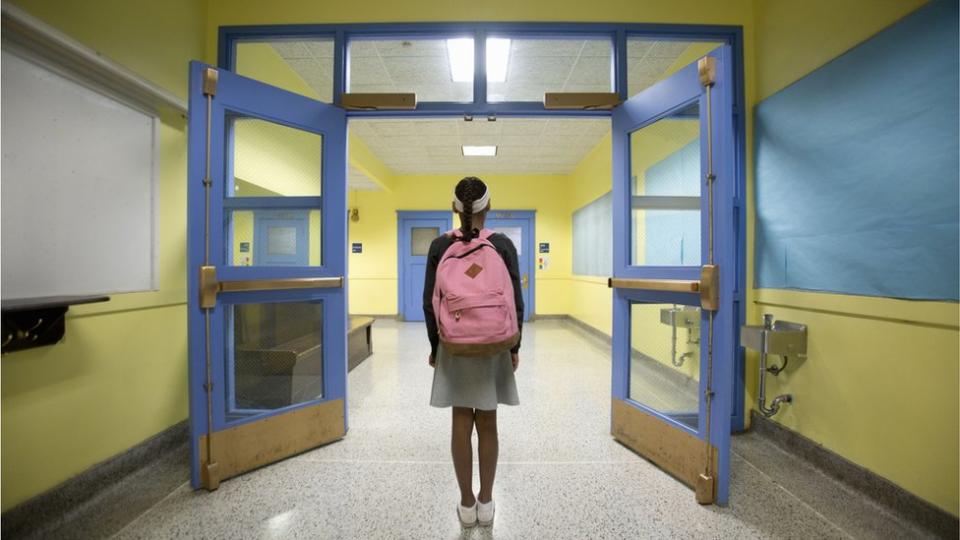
[373,273]
[120,376]
[880,384]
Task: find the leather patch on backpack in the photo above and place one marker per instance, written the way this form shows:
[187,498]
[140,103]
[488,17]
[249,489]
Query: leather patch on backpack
[474,270]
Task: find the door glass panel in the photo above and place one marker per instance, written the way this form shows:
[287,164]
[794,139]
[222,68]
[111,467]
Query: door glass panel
[524,69]
[301,66]
[515,234]
[665,359]
[650,61]
[434,69]
[665,185]
[273,237]
[274,356]
[272,160]
[421,238]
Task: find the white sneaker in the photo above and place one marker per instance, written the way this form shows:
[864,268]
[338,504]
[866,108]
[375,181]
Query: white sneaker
[467,515]
[485,513]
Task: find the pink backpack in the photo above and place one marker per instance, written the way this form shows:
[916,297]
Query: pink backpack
[473,299]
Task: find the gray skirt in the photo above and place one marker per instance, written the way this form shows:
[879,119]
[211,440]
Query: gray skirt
[476,383]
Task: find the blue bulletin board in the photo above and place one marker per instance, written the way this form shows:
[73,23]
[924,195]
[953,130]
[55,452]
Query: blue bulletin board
[857,168]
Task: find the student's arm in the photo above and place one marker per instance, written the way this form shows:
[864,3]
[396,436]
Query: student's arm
[509,253]
[437,248]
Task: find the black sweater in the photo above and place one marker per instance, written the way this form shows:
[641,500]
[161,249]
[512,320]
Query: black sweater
[437,248]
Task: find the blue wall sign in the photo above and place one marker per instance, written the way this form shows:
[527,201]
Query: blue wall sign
[244,247]
[356,247]
[544,247]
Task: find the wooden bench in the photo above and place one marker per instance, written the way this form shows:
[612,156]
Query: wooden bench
[359,340]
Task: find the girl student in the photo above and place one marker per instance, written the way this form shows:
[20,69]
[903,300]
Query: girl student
[474,352]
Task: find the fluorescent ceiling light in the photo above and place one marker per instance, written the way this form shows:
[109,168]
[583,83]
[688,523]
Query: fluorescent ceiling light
[479,150]
[498,54]
[460,53]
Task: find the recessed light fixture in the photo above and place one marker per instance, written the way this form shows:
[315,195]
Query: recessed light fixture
[498,54]
[479,150]
[460,54]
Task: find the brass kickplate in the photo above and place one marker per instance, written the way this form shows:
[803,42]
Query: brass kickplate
[580,100]
[705,489]
[377,102]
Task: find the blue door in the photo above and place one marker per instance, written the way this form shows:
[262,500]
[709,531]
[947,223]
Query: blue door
[416,230]
[519,226]
[267,322]
[675,266]
[280,238]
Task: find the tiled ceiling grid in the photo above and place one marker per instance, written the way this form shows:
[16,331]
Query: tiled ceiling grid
[525,146]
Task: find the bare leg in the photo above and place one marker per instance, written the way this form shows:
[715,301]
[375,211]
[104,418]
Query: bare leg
[488,447]
[461,447]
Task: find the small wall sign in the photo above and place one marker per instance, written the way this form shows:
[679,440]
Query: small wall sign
[244,247]
[544,247]
[356,247]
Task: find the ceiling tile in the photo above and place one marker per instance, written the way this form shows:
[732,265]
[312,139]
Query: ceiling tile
[597,47]
[321,48]
[519,141]
[543,70]
[362,49]
[668,49]
[544,47]
[413,47]
[368,70]
[480,127]
[291,49]
[522,127]
[592,70]
[418,70]
[444,151]
[638,48]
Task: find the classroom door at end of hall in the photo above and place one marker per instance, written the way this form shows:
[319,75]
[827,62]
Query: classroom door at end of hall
[416,230]
[518,225]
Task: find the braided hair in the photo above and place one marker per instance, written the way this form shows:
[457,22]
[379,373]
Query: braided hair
[467,191]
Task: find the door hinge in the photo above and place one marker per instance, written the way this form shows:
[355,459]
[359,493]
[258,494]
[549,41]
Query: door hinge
[707,69]
[210,78]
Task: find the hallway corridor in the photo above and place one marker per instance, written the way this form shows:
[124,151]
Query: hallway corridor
[561,475]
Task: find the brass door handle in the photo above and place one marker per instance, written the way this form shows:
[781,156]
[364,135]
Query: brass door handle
[210,287]
[525,281]
[708,285]
[669,285]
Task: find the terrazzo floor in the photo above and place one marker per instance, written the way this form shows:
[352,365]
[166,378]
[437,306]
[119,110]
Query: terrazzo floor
[560,476]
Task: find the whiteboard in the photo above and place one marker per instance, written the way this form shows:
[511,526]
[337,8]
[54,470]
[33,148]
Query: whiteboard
[78,187]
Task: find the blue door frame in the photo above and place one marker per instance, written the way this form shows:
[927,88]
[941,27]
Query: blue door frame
[214,414]
[411,268]
[526,220]
[617,33]
[716,125]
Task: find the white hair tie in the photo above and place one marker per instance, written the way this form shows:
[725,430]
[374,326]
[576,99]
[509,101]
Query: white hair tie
[478,205]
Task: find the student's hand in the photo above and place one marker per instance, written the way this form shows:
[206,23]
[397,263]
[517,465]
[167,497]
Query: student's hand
[515,359]
[432,361]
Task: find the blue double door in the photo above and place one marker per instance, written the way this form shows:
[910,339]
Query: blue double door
[416,229]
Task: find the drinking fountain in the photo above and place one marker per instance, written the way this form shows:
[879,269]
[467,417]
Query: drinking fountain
[781,338]
[687,317]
